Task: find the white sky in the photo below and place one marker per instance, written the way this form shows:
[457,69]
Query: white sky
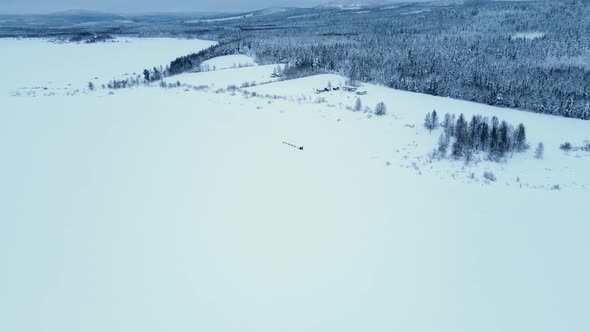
[37,6]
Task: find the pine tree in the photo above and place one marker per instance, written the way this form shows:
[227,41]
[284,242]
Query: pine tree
[443,145]
[446,121]
[431,121]
[473,131]
[494,149]
[461,130]
[435,123]
[504,139]
[380,109]
[156,75]
[567,108]
[449,124]
[358,105]
[519,140]
[540,151]
[484,135]
[428,122]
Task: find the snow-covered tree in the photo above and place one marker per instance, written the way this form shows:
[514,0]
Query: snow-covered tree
[540,151]
[443,145]
[431,121]
[358,105]
[520,143]
[380,109]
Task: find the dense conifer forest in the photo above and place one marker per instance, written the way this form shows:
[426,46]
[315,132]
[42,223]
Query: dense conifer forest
[528,55]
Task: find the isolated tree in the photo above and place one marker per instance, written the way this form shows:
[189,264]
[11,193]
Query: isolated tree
[146,75]
[358,105]
[90,86]
[540,151]
[380,109]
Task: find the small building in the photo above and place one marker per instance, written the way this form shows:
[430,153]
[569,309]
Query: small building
[361,93]
[349,88]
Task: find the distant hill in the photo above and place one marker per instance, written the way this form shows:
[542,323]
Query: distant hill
[85,15]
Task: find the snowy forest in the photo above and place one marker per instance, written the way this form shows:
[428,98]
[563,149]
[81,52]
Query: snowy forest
[527,55]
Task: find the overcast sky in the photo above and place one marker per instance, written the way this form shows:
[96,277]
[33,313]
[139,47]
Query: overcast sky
[37,6]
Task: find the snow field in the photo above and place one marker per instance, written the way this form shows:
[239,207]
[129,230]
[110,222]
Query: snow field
[227,62]
[38,64]
[157,209]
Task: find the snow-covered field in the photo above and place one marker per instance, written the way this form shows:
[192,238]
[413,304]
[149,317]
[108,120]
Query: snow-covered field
[528,35]
[178,209]
[225,77]
[33,66]
[408,144]
[228,61]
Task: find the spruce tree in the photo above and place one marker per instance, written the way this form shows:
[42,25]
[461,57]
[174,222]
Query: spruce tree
[473,130]
[461,130]
[428,122]
[494,149]
[435,123]
[520,143]
[380,109]
[540,151]
[443,145]
[446,121]
[484,136]
[358,105]
[504,139]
